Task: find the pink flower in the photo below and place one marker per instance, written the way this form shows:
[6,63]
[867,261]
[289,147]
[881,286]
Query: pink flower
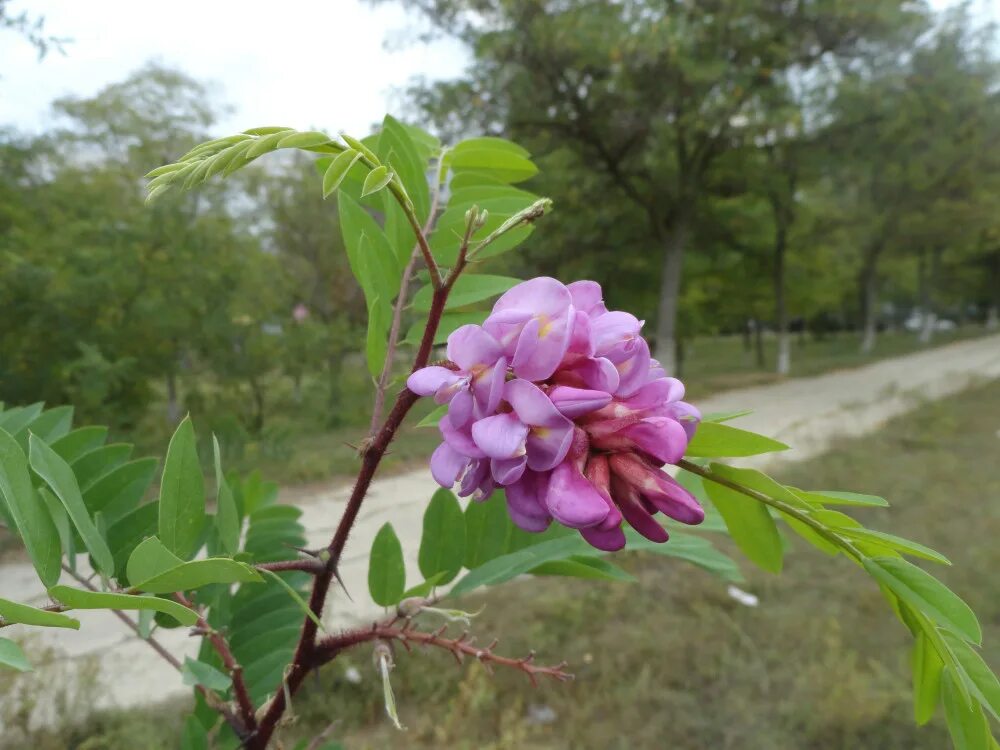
[558,401]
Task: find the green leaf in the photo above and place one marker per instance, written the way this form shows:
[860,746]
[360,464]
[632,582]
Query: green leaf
[398,148]
[432,419]
[58,475]
[195,736]
[503,164]
[198,573]
[975,674]
[490,143]
[926,666]
[895,542]
[376,337]
[750,526]
[125,534]
[92,466]
[53,424]
[714,440]
[831,497]
[386,572]
[725,416]
[12,657]
[299,601]
[12,612]
[200,673]
[340,165]
[966,723]
[469,288]
[13,421]
[149,559]
[182,494]
[377,179]
[31,519]
[227,518]
[80,599]
[487,530]
[504,568]
[304,139]
[926,594]
[759,481]
[360,146]
[696,550]
[369,253]
[423,589]
[120,490]
[442,546]
[579,566]
[267,143]
[79,442]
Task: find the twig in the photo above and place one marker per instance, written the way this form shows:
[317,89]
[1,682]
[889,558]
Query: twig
[46,608]
[221,646]
[323,736]
[311,565]
[330,647]
[397,314]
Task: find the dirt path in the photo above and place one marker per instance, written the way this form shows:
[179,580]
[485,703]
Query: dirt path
[805,413]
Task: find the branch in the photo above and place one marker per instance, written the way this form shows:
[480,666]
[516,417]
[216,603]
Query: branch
[247,718]
[329,648]
[397,314]
[835,539]
[310,565]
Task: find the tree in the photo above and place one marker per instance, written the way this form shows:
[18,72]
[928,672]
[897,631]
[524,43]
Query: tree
[646,96]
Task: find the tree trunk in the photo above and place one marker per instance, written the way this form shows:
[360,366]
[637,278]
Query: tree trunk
[173,405]
[758,339]
[993,311]
[869,302]
[992,318]
[780,309]
[670,286]
[257,421]
[931,272]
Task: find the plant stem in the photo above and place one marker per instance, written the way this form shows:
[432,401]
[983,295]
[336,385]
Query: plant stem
[824,531]
[221,646]
[397,314]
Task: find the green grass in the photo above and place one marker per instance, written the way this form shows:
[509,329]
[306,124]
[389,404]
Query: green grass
[672,661]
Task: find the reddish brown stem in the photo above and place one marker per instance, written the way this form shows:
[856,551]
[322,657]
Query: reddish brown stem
[247,723]
[329,648]
[311,566]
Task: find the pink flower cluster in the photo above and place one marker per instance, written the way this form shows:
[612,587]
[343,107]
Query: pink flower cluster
[558,401]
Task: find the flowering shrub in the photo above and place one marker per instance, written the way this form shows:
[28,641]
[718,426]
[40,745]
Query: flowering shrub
[552,408]
[559,401]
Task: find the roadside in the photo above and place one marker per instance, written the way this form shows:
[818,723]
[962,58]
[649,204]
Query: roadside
[807,413]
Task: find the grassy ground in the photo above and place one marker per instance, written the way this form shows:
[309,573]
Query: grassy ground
[672,661]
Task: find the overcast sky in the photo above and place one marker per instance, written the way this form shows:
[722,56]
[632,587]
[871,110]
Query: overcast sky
[299,63]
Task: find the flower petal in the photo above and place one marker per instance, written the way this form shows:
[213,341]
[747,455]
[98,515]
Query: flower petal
[487,387]
[548,446]
[660,490]
[612,329]
[525,502]
[470,346]
[632,366]
[540,296]
[446,465]
[663,438]
[460,409]
[580,340]
[500,436]
[609,540]
[531,404]
[572,500]
[574,402]
[587,297]
[627,500]
[427,380]
[507,470]
[460,440]
[473,477]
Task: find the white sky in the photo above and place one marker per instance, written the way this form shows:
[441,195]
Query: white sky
[300,63]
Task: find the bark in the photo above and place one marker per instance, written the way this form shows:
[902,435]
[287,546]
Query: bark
[993,318]
[869,301]
[928,276]
[173,404]
[670,285]
[758,339]
[780,306]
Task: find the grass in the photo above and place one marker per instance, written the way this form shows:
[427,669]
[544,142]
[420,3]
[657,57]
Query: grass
[672,661]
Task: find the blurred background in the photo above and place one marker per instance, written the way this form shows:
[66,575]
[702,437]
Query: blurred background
[780,188]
